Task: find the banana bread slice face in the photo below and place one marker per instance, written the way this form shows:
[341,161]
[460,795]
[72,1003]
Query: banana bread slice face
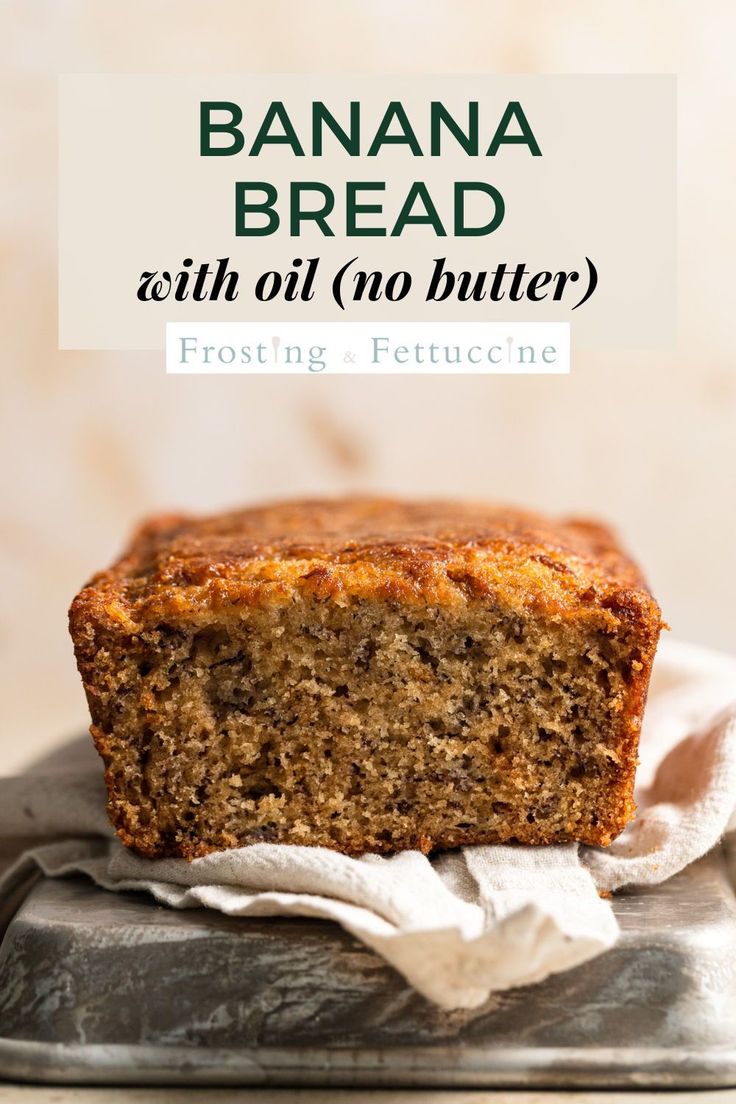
[367,675]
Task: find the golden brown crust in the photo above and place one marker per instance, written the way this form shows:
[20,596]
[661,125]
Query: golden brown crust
[436,553]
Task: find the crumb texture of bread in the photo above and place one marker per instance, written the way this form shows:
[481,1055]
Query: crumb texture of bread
[367,675]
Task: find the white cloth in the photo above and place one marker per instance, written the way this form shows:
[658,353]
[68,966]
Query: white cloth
[466,923]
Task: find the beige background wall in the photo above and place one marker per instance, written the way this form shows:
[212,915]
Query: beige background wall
[90,441]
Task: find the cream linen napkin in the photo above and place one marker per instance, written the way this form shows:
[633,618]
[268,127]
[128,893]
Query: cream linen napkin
[466,923]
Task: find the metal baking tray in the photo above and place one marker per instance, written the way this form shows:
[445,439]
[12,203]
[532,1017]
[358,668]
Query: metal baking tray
[98,987]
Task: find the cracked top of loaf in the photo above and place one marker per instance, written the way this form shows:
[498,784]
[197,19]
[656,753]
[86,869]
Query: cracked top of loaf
[430,552]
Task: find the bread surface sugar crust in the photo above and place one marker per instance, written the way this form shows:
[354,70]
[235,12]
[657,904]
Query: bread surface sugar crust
[367,675]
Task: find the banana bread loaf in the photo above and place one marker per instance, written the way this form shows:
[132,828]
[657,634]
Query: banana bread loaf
[367,675]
